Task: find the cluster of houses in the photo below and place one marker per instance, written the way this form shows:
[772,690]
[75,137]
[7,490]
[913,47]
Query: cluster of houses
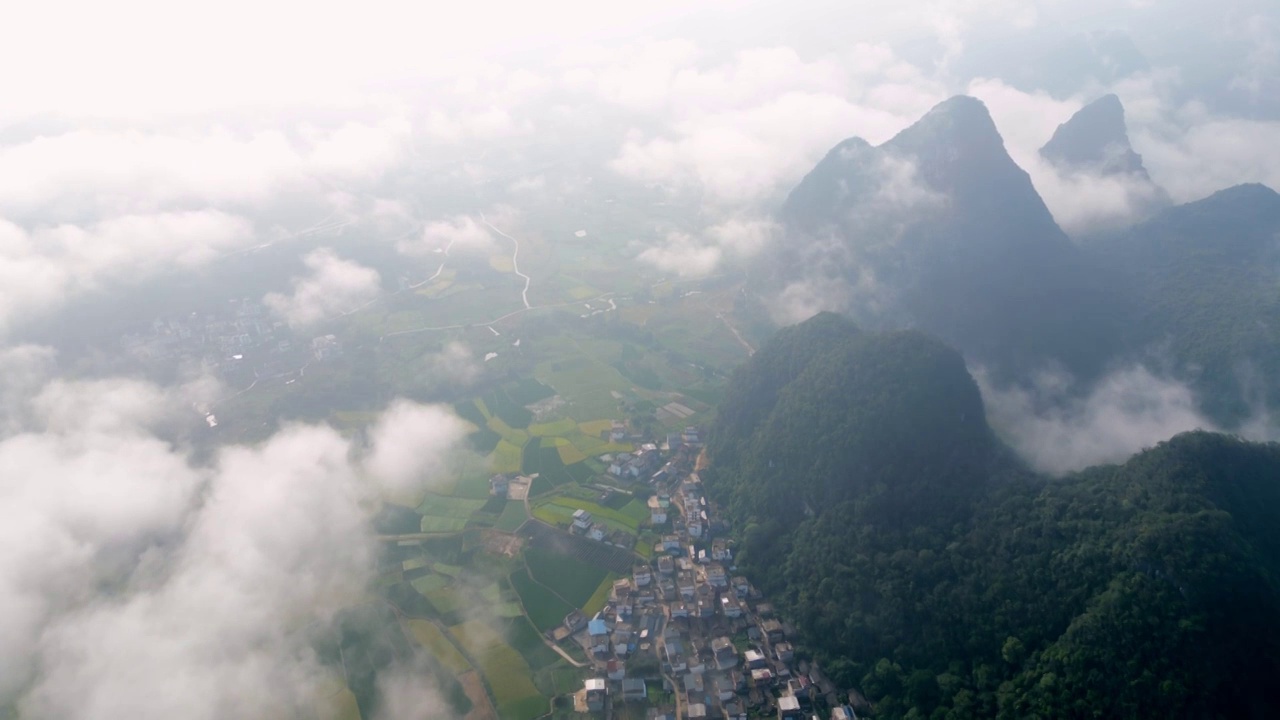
[685,623]
[235,339]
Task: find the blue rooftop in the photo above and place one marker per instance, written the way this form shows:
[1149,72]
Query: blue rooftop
[597,627]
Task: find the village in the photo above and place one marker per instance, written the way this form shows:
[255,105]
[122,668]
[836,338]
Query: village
[685,636]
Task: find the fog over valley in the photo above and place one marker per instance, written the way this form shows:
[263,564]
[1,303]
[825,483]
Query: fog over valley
[516,361]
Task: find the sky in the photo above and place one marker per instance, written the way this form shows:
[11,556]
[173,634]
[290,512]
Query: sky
[141,139]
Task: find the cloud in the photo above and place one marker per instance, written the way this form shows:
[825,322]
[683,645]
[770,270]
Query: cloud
[732,132]
[687,256]
[1058,431]
[333,287]
[119,171]
[455,367]
[137,580]
[457,234]
[408,446]
[682,254]
[40,269]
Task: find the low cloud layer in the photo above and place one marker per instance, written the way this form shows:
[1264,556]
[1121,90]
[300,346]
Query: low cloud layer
[333,287]
[690,256]
[1057,432]
[460,234]
[137,581]
[42,268]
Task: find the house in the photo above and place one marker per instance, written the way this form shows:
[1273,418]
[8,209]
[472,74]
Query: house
[688,585]
[666,565]
[581,520]
[789,708]
[642,575]
[657,513]
[597,532]
[764,610]
[762,677]
[725,654]
[716,576]
[695,687]
[706,607]
[741,586]
[772,630]
[575,621]
[634,689]
[843,712]
[784,652]
[694,528]
[596,689]
[720,550]
[679,610]
[597,627]
[618,432]
[696,711]
[756,659]
[674,651]
[732,606]
[498,485]
[615,670]
[671,544]
[667,587]
[621,590]
[722,687]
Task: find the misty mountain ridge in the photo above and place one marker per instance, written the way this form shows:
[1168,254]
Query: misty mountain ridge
[1205,285]
[939,229]
[1095,139]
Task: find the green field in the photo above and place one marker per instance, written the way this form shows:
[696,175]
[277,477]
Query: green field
[572,579]
[440,647]
[433,524]
[559,509]
[512,517]
[509,676]
[452,507]
[596,602]
[545,610]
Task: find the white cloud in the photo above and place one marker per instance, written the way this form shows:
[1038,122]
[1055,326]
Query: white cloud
[457,234]
[1057,432]
[409,444]
[137,170]
[41,268]
[334,286]
[683,255]
[136,580]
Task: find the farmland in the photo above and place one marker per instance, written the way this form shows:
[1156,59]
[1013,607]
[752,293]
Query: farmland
[508,674]
[574,580]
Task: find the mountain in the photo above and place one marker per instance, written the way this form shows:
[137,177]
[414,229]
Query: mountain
[1207,293]
[939,229]
[1095,139]
[853,415]
[926,569]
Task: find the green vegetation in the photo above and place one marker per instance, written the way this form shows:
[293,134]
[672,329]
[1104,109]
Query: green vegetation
[924,567]
[545,609]
[512,517]
[508,675]
[440,646]
[573,580]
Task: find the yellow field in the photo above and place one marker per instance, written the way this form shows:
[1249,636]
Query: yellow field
[505,457]
[440,647]
[570,454]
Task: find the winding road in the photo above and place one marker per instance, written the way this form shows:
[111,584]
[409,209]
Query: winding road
[515,261]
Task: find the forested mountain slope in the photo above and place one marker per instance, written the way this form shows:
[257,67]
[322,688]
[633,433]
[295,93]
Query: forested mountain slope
[927,569]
